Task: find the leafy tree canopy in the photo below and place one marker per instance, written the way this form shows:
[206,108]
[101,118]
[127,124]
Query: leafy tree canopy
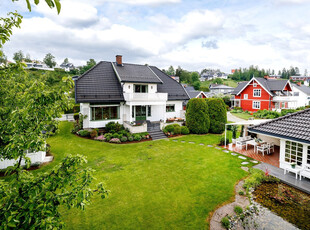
[66,61]
[49,60]
[18,56]
[28,58]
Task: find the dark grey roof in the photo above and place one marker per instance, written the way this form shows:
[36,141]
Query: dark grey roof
[174,89]
[136,73]
[188,87]
[303,88]
[295,127]
[239,87]
[192,93]
[269,84]
[99,84]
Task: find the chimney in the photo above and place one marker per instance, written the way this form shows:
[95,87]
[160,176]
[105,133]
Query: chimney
[299,83]
[119,61]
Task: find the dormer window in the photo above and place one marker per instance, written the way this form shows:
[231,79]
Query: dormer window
[254,84]
[141,89]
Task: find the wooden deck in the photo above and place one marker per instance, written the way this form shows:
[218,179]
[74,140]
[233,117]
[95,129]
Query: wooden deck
[272,159]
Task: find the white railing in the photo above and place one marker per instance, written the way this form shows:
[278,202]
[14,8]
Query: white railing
[284,98]
[35,157]
[145,96]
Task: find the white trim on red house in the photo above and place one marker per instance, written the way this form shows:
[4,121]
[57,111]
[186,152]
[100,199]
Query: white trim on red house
[253,78]
[260,92]
[253,104]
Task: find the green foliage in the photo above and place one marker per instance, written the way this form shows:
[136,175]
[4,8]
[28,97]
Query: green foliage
[225,222]
[217,114]
[169,128]
[234,129]
[108,136]
[124,139]
[137,137]
[196,85]
[287,111]
[177,129]
[238,210]
[222,140]
[89,65]
[84,133]
[7,25]
[266,114]
[242,130]
[49,60]
[130,138]
[18,56]
[32,201]
[195,77]
[50,3]
[184,130]
[28,58]
[170,71]
[93,133]
[197,116]
[240,192]
[218,81]
[113,127]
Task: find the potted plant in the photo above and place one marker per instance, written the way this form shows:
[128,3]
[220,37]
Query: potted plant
[234,129]
[293,164]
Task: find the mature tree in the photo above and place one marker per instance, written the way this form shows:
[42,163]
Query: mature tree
[89,64]
[197,116]
[28,109]
[178,71]
[49,60]
[28,58]
[3,58]
[196,85]
[185,77]
[170,71]
[18,56]
[218,81]
[194,76]
[66,61]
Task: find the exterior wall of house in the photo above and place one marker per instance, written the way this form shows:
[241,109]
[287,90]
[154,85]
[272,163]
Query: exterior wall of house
[129,87]
[269,139]
[247,104]
[302,98]
[178,109]
[85,109]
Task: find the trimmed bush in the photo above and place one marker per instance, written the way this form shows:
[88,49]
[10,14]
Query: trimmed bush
[116,135]
[177,130]
[197,116]
[113,127]
[108,136]
[137,137]
[238,210]
[225,222]
[124,139]
[217,114]
[222,140]
[93,133]
[184,130]
[115,140]
[169,128]
[130,138]
[84,133]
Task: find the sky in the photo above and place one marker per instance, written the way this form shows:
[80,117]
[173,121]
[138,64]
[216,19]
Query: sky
[193,34]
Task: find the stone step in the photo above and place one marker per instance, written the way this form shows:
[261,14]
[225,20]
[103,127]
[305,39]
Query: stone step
[156,135]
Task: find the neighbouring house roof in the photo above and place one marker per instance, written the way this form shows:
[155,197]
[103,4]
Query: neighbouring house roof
[270,85]
[293,127]
[136,73]
[303,88]
[174,89]
[99,84]
[220,86]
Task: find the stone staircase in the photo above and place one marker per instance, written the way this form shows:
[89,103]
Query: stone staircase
[153,128]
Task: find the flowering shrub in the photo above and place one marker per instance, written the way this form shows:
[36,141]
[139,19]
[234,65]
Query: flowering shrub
[115,140]
[100,138]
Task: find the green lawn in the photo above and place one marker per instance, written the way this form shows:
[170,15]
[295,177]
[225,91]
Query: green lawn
[228,82]
[163,184]
[243,115]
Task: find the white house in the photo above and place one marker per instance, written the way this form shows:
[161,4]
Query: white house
[292,134]
[128,94]
[302,93]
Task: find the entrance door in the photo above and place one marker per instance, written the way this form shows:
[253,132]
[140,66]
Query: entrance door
[140,113]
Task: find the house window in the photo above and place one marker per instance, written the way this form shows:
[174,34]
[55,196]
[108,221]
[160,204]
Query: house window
[245,96]
[170,108]
[293,152]
[256,92]
[254,84]
[104,113]
[256,105]
[149,111]
[140,88]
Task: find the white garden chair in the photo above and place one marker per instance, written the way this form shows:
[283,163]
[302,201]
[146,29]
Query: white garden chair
[262,148]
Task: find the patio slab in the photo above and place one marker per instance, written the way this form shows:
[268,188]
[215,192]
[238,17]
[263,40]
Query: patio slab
[241,157]
[288,178]
[234,154]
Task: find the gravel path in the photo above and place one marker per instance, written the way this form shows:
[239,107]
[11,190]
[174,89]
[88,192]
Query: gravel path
[233,118]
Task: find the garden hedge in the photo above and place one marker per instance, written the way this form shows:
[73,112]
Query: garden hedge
[217,114]
[197,116]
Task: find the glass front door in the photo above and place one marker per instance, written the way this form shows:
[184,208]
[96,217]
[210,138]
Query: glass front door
[140,113]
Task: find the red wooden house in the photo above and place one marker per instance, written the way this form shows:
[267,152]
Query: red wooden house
[262,93]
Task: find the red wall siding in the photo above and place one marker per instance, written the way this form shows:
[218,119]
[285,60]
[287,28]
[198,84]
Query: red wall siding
[247,104]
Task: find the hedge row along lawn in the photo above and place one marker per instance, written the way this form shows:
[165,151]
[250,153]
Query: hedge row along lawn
[161,184]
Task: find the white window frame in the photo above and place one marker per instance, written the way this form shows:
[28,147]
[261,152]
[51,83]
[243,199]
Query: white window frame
[291,152]
[255,102]
[257,90]
[254,84]
[245,96]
